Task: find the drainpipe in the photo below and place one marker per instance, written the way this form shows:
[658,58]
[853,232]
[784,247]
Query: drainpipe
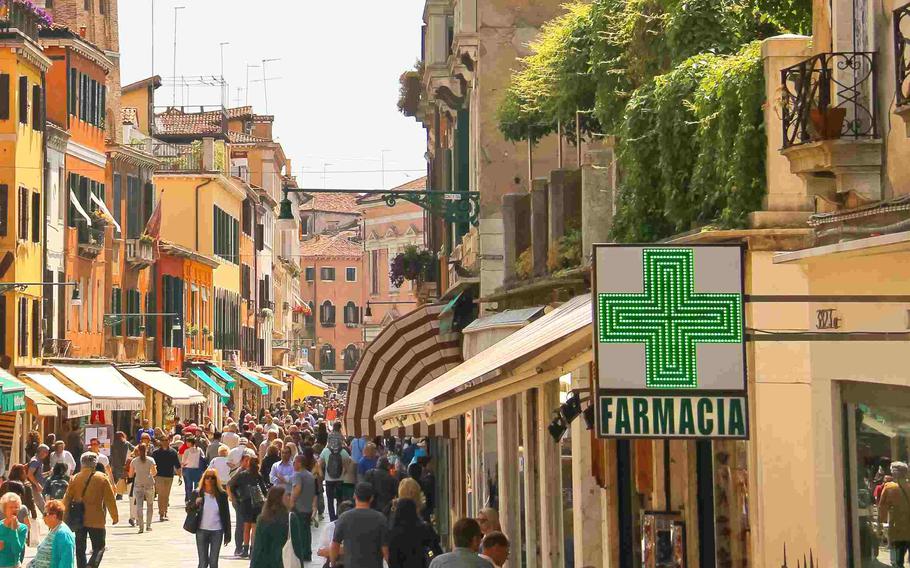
[44,213]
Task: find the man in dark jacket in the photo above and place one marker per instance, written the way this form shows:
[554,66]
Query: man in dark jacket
[385,486]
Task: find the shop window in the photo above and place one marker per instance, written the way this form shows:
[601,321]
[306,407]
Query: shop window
[327,358]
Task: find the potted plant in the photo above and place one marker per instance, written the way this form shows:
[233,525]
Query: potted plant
[205,330]
[146,238]
[192,331]
[413,264]
[827,123]
[266,313]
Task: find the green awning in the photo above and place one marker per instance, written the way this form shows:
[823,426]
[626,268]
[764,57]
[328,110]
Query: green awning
[12,397]
[264,388]
[229,380]
[447,314]
[211,383]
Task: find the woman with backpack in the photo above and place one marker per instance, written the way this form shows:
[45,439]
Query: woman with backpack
[247,489]
[332,460]
[56,486]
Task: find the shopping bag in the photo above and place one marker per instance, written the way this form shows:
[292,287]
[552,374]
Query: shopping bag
[36,532]
[288,556]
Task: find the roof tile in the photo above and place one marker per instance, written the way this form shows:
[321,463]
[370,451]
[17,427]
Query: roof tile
[332,202]
[339,245]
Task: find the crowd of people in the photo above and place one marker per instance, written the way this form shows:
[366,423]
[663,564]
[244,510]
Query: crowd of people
[266,481]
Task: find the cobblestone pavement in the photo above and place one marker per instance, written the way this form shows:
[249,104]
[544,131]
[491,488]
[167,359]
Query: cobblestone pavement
[168,545]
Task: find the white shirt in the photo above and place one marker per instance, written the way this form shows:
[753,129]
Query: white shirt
[270,428]
[222,468]
[191,458]
[103,460]
[230,439]
[211,520]
[235,455]
[66,458]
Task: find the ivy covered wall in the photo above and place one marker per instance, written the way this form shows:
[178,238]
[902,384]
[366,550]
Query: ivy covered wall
[679,82]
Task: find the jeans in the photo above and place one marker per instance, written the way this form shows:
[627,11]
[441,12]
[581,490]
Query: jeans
[305,520]
[208,545]
[98,543]
[238,527]
[899,550]
[191,477]
[143,497]
[163,488]
[332,493]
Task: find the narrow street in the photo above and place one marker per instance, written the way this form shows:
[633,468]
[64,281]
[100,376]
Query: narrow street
[127,548]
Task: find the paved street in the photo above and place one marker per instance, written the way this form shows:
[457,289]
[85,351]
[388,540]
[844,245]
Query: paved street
[127,548]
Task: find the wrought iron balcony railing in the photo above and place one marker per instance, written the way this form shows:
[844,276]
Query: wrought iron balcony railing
[829,96]
[90,240]
[901,19]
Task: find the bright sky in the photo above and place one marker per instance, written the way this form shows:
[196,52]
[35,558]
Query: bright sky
[336,88]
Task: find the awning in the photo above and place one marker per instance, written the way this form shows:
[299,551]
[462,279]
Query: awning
[305,385]
[12,397]
[211,383]
[100,203]
[107,388]
[408,353]
[38,404]
[246,374]
[74,201]
[547,348]
[180,393]
[230,381]
[303,375]
[76,404]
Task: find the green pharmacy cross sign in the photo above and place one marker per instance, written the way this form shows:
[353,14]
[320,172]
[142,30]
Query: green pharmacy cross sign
[669,317]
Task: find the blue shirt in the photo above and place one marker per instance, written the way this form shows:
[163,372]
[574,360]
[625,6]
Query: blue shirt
[63,554]
[13,544]
[286,470]
[357,446]
[141,431]
[365,465]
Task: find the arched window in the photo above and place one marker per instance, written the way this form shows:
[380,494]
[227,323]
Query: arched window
[351,357]
[351,314]
[327,314]
[327,358]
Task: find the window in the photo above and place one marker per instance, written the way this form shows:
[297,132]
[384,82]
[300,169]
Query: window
[23,100]
[117,205]
[172,302]
[351,314]
[4,96]
[304,225]
[88,5]
[310,273]
[327,358]
[374,272]
[327,314]
[246,217]
[36,328]
[350,274]
[226,236]
[308,318]
[260,237]
[102,6]
[24,205]
[37,114]
[36,217]
[23,327]
[133,323]
[148,202]
[351,357]
[4,209]
[116,308]
[327,274]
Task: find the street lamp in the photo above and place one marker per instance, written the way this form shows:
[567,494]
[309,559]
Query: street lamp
[75,300]
[369,312]
[286,220]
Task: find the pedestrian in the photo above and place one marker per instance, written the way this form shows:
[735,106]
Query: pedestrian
[13,533]
[37,476]
[93,490]
[229,436]
[143,471]
[18,483]
[282,471]
[247,487]
[384,485]
[495,548]
[333,468]
[368,461]
[237,453]
[409,489]
[362,533]
[348,479]
[272,531]
[211,452]
[191,465]
[467,536]
[488,519]
[120,449]
[328,532]
[57,483]
[221,466]
[58,549]
[61,454]
[265,443]
[214,519]
[412,542]
[104,463]
[303,502]
[272,456]
[74,442]
[357,447]
[167,465]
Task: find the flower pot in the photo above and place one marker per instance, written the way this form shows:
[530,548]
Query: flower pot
[827,124]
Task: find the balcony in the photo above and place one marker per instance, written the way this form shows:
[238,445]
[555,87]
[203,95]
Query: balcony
[830,131]
[140,253]
[202,156]
[901,19]
[91,241]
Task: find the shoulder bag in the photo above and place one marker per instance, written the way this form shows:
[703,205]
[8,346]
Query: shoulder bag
[75,514]
[193,515]
[288,556]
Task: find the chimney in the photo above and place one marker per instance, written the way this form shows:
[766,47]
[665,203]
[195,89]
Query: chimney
[208,154]
[82,32]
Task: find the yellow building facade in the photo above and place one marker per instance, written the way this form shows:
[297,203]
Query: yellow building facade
[22,79]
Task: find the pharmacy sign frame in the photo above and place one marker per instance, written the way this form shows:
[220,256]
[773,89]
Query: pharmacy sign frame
[669,341]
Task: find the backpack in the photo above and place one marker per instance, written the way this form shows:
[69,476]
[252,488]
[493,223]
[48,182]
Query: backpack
[56,487]
[334,466]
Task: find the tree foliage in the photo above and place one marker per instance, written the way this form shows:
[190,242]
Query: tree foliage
[679,82]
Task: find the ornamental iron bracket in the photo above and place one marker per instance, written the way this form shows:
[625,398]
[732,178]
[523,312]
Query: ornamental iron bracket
[453,206]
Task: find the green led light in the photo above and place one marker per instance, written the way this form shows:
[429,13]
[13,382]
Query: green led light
[670,318]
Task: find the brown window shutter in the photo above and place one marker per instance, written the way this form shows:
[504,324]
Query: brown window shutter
[4,96]
[23,100]
[36,217]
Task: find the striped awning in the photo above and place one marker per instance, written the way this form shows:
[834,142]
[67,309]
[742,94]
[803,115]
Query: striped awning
[409,353]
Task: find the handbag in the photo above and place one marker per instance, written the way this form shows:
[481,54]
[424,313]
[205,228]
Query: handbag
[36,531]
[75,514]
[288,556]
[193,517]
[257,497]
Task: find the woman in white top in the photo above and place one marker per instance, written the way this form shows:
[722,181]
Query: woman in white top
[191,464]
[213,517]
[143,471]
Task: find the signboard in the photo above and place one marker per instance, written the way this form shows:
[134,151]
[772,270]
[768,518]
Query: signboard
[669,341]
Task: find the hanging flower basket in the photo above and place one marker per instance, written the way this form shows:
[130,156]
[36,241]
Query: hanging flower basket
[413,264]
[303,309]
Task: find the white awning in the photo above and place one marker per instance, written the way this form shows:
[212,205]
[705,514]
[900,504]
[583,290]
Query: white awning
[75,201]
[545,349]
[76,404]
[108,389]
[100,203]
[43,405]
[180,393]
